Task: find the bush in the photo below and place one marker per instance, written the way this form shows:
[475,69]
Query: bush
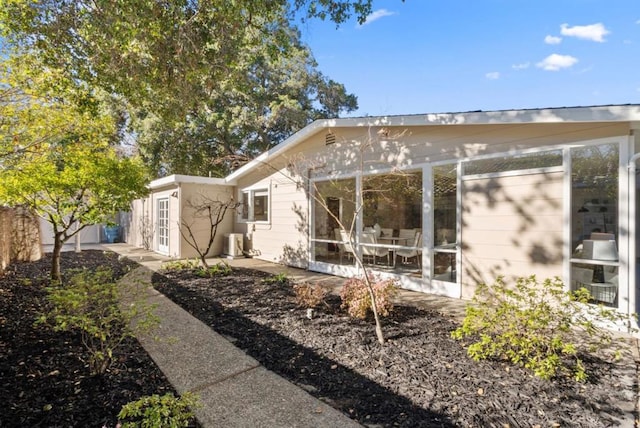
[89,304]
[280,279]
[357,299]
[159,411]
[536,325]
[308,295]
[219,269]
[177,265]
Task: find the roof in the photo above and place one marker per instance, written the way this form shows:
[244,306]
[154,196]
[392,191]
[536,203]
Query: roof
[607,113]
[176,179]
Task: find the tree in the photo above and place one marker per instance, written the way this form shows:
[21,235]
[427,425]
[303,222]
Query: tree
[58,154]
[192,73]
[72,185]
[209,211]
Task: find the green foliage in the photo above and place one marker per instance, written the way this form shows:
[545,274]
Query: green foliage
[153,411]
[90,304]
[233,76]
[309,295]
[277,279]
[219,269]
[539,326]
[357,299]
[178,265]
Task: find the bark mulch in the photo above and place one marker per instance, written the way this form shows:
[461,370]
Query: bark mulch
[419,378]
[44,378]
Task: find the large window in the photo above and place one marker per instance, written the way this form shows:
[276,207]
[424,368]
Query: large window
[254,205]
[445,190]
[594,221]
[334,213]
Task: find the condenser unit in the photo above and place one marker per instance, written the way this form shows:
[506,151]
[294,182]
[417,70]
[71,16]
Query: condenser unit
[233,245]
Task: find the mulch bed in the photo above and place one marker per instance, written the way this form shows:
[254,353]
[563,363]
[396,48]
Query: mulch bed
[419,378]
[44,380]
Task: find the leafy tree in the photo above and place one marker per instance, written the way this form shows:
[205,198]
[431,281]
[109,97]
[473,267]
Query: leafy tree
[202,79]
[58,156]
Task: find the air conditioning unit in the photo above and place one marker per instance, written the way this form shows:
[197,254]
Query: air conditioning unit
[233,245]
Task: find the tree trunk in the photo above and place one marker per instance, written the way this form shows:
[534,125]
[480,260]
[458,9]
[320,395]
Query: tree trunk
[55,259]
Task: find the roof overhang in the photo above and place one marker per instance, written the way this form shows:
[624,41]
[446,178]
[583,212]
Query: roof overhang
[176,179]
[612,113]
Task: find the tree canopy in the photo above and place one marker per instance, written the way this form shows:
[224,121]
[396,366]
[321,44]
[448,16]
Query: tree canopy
[58,153]
[202,80]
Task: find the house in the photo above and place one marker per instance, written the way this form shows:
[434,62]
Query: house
[163,219]
[442,202]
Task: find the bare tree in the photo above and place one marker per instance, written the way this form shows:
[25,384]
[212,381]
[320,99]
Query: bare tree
[301,169]
[210,212]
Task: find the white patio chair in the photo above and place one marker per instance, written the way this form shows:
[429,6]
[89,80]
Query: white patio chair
[416,251]
[367,251]
[344,244]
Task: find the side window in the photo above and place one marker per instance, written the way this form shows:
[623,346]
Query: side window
[255,205]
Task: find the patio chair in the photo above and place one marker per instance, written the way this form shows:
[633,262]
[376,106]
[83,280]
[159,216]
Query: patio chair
[406,236]
[387,232]
[374,252]
[344,244]
[416,251]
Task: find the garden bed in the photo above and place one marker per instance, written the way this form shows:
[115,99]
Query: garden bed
[44,378]
[420,378]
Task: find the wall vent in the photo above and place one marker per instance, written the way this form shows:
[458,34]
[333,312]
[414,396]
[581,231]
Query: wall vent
[329,139]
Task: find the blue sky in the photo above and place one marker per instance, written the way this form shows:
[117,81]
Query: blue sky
[428,56]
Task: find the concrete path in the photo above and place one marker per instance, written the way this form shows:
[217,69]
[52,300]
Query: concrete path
[234,389]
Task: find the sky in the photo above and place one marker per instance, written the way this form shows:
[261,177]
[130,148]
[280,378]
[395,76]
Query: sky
[435,56]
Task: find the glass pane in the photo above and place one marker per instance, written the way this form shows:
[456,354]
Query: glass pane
[513,163]
[594,197]
[392,220]
[445,190]
[260,207]
[594,221]
[334,209]
[393,201]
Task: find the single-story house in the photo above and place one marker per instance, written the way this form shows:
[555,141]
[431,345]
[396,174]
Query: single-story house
[439,202]
[166,218]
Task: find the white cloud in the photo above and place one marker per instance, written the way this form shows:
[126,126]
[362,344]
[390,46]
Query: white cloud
[494,75]
[521,66]
[555,62]
[594,32]
[378,14]
[552,40]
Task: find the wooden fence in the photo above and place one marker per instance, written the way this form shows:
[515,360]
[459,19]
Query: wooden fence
[19,236]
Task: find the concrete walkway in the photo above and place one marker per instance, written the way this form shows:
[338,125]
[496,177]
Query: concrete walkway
[234,389]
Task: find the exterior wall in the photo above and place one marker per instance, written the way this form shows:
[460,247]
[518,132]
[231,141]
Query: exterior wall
[138,228]
[193,194]
[371,150]
[88,235]
[511,226]
[284,238]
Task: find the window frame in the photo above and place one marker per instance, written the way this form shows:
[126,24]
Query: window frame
[247,197]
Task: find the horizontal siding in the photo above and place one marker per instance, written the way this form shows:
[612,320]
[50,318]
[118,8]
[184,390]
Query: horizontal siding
[512,226]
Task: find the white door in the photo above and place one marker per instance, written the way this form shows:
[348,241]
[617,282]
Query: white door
[163,225]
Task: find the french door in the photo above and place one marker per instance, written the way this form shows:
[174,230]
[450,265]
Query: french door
[163,225]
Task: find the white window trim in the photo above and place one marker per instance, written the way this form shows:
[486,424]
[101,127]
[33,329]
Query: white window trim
[250,194]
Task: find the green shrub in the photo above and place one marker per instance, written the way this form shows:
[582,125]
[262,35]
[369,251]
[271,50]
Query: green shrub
[280,278]
[357,299]
[177,265]
[219,269]
[153,411]
[308,295]
[536,325]
[89,304]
